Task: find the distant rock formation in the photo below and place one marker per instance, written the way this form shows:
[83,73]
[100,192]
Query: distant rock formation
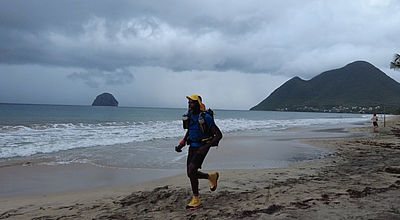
[356,87]
[105,99]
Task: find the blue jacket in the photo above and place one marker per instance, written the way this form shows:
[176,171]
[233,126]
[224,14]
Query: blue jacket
[195,133]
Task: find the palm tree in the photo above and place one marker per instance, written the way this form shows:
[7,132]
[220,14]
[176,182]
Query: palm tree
[395,64]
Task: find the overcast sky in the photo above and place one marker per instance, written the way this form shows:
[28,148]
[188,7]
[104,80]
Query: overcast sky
[154,53]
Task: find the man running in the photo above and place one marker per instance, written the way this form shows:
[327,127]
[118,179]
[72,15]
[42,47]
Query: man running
[202,134]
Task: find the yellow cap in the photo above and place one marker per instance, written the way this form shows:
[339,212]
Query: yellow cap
[197,98]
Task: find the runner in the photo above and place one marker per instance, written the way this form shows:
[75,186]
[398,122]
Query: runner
[202,134]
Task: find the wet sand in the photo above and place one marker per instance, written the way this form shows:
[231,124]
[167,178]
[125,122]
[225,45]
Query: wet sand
[360,180]
[36,179]
[42,176]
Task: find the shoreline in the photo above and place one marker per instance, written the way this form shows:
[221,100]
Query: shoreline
[360,180]
[26,177]
[44,176]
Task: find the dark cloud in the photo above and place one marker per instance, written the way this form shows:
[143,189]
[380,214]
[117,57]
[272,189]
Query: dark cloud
[101,42]
[96,78]
[252,36]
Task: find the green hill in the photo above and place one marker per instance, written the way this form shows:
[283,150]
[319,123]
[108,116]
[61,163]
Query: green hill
[356,87]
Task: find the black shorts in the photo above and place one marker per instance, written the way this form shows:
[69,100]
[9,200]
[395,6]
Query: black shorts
[195,158]
[375,124]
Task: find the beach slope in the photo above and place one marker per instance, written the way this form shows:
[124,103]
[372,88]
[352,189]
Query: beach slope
[360,180]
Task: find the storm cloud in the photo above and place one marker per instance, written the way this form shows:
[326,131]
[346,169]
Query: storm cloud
[106,40]
[95,78]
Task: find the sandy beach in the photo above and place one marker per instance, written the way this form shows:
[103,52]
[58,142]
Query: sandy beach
[359,180]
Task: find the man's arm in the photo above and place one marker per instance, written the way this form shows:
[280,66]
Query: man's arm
[183,142]
[217,136]
[214,142]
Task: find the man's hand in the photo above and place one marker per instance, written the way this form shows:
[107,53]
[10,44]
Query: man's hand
[180,146]
[178,149]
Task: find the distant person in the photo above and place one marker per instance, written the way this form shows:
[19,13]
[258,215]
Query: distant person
[375,122]
[202,134]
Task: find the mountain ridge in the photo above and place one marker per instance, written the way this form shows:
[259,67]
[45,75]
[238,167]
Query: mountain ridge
[356,87]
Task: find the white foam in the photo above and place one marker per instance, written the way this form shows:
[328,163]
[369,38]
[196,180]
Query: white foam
[45,138]
[230,125]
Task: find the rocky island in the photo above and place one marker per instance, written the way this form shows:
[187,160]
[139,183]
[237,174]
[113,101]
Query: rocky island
[105,99]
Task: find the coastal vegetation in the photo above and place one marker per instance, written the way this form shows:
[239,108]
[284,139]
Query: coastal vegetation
[358,87]
[395,64]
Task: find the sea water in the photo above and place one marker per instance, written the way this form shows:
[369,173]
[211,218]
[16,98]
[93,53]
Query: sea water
[138,137]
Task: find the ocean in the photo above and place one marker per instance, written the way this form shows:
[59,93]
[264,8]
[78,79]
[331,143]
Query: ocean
[130,137]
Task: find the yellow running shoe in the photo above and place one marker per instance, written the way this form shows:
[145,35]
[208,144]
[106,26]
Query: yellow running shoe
[194,204]
[213,177]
